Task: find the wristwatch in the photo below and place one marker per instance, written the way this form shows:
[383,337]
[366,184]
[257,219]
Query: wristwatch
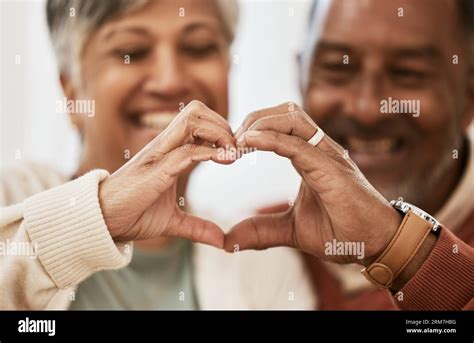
[404,207]
[412,232]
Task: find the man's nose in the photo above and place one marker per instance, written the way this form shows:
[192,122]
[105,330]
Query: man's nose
[363,104]
[166,76]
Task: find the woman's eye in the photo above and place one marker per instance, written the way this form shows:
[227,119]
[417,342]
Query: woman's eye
[201,51]
[340,67]
[134,54]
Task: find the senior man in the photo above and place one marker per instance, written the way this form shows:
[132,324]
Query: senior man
[363,58]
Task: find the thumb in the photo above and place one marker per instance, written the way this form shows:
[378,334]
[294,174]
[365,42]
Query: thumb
[195,229]
[261,232]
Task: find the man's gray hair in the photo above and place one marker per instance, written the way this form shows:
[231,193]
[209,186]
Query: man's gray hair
[71,22]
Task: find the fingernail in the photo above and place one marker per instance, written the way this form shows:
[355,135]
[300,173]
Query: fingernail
[239,131]
[253,133]
[241,140]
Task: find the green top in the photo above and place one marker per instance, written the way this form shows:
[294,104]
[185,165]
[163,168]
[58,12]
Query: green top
[160,280]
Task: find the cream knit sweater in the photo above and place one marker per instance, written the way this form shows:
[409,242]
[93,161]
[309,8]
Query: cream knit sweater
[71,240]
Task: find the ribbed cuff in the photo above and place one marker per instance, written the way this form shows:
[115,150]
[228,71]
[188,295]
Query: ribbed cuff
[72,238]
[446,279]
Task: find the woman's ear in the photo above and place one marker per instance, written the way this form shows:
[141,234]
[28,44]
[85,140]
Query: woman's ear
[69,91]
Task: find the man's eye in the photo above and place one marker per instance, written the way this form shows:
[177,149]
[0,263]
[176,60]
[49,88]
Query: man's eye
[408,77]
[200,51]
[335,73]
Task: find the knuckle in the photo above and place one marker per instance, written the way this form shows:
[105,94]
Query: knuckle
[294,118]
[251,117]
[292,106]
[151,160]
[257,124]
[198,233]
[302,117]
[301,144]
[189,121]
[196,105]
[189,149]
[274,135]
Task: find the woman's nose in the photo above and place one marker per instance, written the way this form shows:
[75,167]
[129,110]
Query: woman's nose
[166,76]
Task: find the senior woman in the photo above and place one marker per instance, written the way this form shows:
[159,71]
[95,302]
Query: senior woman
[146,64]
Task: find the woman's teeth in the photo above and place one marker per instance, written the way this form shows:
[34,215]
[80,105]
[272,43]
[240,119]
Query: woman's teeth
[372,146]
[158,120]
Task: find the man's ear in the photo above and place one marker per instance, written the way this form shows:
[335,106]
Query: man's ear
[69,91]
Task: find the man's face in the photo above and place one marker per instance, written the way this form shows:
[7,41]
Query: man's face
[371,50]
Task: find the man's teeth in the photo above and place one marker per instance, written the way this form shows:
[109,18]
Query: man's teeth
[374,146]
[158,121]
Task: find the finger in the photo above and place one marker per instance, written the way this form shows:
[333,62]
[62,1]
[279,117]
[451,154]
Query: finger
[295,124]
[193,129]
[280,143]
[180,159]
[199,109]
[185,131]
[195,229]
[260,232]
[304,156]
[298,124]
[284,108]
[282,207]
[194,123]
[162,170]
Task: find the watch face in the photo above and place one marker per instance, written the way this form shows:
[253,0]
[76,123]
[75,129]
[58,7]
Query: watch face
[405,207]
[400,205]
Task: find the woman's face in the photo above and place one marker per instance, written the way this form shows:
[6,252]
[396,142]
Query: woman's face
[141,69]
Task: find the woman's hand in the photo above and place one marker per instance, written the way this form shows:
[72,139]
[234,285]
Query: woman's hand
[138,201]
[335,201]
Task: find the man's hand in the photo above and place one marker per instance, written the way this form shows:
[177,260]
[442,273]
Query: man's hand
[335,201]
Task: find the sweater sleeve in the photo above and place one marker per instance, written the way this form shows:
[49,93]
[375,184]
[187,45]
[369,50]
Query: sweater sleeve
[445,281]
[53,241]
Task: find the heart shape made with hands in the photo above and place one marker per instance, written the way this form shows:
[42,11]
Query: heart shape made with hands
[284,130]
[334,196]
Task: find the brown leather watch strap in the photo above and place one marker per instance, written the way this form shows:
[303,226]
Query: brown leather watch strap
[404,245]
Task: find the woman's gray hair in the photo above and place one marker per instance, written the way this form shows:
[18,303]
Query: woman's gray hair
[71,22]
